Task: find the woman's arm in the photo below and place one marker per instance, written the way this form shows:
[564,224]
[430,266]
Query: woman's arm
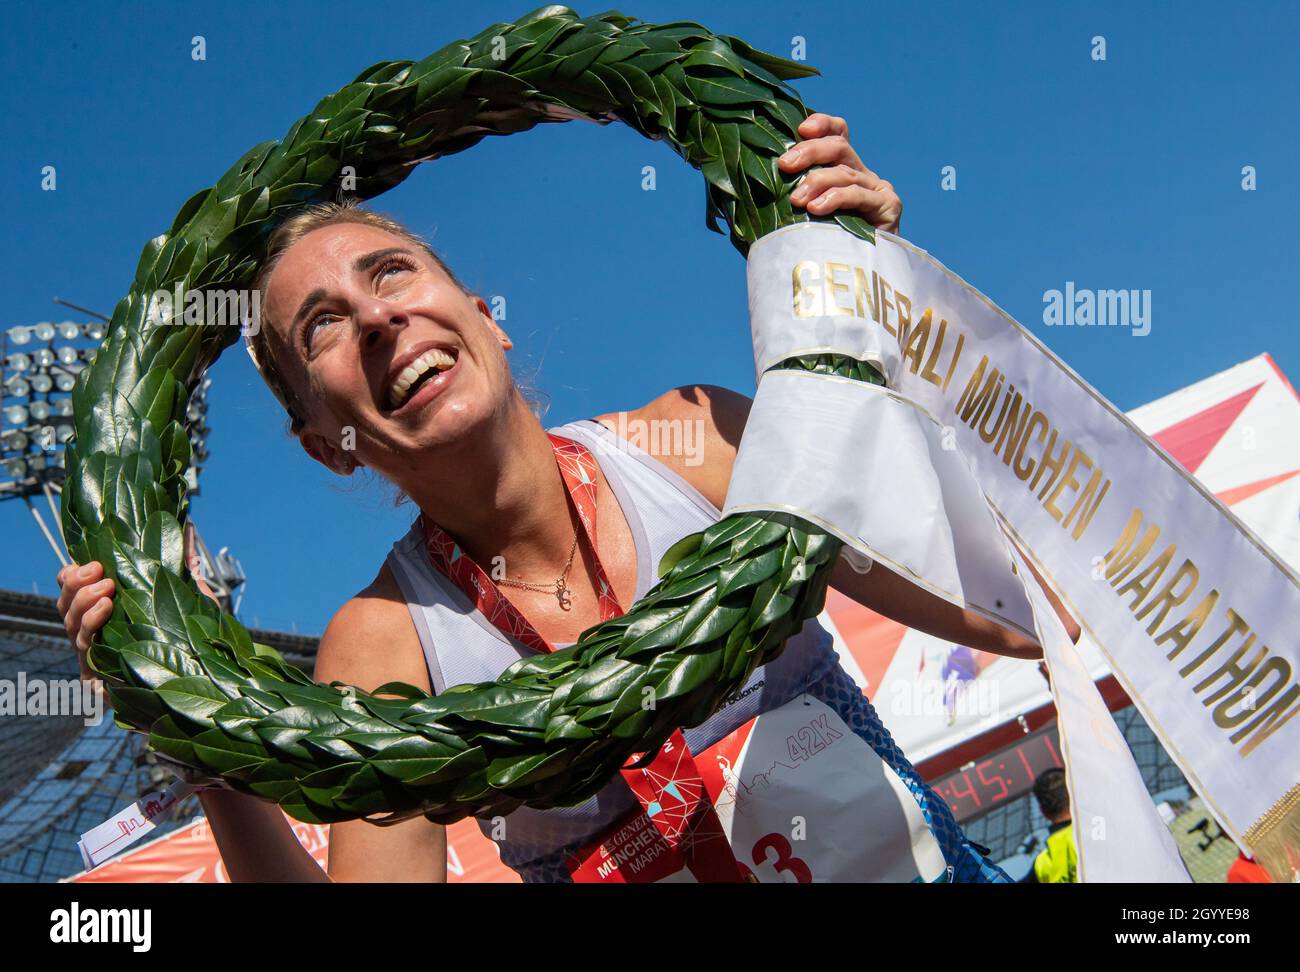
[256,842]
[899,599]
[721,415]
[369,642]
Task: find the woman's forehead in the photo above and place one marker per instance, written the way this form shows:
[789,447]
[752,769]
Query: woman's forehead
[323,257]
[332,249]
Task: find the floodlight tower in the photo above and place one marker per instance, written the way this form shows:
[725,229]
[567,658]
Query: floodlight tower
[39,364]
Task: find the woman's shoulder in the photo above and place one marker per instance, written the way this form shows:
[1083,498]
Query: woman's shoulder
[371,640]
[723,406]
[718,416]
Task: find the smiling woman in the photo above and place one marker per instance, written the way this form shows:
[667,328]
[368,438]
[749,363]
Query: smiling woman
[259,337]
[384,359]
[358,317]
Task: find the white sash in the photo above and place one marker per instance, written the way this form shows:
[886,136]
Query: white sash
[984,437]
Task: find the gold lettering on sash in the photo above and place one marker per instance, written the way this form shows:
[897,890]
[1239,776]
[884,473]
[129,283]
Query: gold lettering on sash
[1048,461]
[1124,556]
[885,304]
[864,291]
[1246,690]
[1182,633]
[1066,480]
[1170,596]
[1088,492]
[956,356]
[929,374]
[987,434]
[973,398]
[1023,471]
[903,304]
[800,289]
[1236,625]
[1269,721]
[1235,673]
[834,287]
[1248,696]
[914,346]
[1144,580]
[1012,428]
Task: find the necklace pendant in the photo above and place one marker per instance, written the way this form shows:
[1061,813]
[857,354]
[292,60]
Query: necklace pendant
[563,595]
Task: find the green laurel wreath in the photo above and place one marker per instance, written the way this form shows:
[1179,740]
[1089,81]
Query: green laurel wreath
[553,729]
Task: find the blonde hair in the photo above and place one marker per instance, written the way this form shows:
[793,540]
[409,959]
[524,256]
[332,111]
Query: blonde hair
[288,233]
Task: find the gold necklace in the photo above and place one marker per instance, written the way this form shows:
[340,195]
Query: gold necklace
[559,587]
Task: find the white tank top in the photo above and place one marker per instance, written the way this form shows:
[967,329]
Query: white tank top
[461,645]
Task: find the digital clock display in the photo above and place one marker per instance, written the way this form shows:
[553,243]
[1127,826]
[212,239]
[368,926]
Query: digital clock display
[1001,777]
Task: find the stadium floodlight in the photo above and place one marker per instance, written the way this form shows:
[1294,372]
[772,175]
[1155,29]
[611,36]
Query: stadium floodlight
[40,363]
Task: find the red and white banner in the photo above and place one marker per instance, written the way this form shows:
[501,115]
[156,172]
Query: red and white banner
[189,855]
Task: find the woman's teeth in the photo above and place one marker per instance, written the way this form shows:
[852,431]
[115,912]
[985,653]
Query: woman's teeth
[433,359]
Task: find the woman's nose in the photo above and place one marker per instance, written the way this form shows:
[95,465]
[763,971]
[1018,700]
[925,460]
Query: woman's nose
[379,321]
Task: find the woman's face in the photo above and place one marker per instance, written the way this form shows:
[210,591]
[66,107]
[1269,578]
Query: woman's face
[389,356]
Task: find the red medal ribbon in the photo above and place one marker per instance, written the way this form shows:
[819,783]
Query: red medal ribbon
[670,788]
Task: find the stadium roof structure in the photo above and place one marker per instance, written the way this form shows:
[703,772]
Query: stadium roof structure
[59,776]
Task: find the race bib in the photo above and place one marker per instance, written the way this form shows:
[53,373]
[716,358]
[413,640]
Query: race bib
[798,796]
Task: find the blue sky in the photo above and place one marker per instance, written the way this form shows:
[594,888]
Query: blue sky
[1117,174]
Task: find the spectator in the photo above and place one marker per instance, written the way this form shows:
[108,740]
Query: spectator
[1058,863]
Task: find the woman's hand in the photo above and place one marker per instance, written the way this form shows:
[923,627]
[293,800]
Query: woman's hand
[846,185]
[85,604]
[86,600]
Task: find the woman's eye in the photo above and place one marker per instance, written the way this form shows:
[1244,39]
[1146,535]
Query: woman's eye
[310,329]
[391,265]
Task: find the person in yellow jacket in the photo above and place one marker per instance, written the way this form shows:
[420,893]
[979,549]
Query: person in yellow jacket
[1058,862]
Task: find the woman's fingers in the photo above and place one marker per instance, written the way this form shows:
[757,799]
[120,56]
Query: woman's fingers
[819,124]
[819,180]
[191,559]
[842,188]
[880,208]
[85,604]
[825,150]
[73,599]
[199,582]
[843,183]
[76,621]
[94,618]
[72,579]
